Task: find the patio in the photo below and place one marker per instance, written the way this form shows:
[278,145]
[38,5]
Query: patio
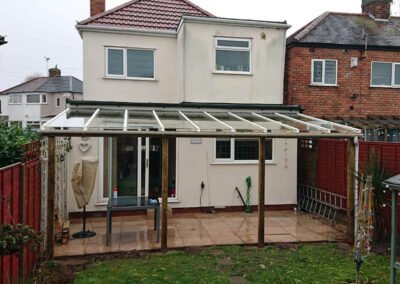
[200,229]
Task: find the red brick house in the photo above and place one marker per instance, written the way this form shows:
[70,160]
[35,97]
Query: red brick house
[346,67]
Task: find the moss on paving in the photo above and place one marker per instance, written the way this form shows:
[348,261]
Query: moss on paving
[315,263]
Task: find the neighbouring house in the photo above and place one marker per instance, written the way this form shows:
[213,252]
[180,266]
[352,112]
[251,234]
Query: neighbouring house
[2,40]
[346,68]
[154,53]
[32,103]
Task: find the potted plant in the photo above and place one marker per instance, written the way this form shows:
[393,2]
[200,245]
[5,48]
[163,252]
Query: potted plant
[13,238]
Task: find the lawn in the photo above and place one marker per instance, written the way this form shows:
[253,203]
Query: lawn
[313,263]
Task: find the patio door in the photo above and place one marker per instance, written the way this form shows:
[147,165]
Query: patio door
[128,166]
[134,166]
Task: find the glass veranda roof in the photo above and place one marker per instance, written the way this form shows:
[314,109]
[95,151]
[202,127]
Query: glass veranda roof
[176,121]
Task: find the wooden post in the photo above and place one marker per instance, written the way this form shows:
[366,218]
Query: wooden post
[51,149]
[164,185]
[350,189]
[261,191]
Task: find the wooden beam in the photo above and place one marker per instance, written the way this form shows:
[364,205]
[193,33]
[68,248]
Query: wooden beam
[164,185]
[261,191]
[350,189]
[51,149]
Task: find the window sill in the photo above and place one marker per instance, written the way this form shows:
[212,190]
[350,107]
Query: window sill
[241,163]
[323,85]
[131,79]
[386,87]
[232,73]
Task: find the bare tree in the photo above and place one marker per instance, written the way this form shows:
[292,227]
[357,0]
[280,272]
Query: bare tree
[33,76]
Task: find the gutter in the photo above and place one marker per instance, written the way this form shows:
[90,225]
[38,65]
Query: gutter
[233,22]
[121,30]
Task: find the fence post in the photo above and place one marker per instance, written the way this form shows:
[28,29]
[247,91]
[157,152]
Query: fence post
[261,191]
[21,257]
[50,196]
[350,189]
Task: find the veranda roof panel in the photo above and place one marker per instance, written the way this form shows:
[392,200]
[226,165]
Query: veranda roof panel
[190,121]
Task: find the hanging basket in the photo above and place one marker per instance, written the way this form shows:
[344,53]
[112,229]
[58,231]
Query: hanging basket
[13,238]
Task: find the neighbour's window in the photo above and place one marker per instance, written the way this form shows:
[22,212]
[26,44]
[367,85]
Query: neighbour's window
[324,72]
[130,63]
[58,102]
[15,99]
[385,74]
[241,149]
[33,124]
[36,99]
[16,123]
[232,55]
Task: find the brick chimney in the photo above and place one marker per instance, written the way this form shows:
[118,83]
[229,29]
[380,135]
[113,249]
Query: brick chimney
[379,9]
[54,72]
[97,7]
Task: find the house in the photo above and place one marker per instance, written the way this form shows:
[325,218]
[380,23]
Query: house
[346,67]
[155,53]
[35,101]
[2,40]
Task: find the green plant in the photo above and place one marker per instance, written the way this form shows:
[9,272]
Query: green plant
[378,173]
[13,238]
[248,205]
[11,141]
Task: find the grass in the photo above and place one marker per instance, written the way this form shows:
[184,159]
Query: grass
[314,263]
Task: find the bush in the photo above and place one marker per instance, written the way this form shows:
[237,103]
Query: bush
[11,141]
[13,238]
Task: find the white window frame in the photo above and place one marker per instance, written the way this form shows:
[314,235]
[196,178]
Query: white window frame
[15,95]
[232,160]
[233,48]
[393,82]
[125,65]
[41,100]
[323,72]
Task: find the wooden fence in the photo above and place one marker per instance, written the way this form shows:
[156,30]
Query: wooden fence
[20,202]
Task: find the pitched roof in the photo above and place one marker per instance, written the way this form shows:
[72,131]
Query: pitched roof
[349,29]
[147,14]
[63,84]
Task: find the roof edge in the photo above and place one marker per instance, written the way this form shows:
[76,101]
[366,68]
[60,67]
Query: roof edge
[293,44]
[123,30]
[233,21]
[304,31]
[188,104]
[199,8]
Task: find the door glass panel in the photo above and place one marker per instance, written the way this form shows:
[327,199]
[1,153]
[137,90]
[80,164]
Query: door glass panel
[124,165]
[143,167]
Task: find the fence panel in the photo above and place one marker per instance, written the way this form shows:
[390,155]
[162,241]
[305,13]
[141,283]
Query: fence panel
[10,200]
[20,202]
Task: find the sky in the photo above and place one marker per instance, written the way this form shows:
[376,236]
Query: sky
[37,30]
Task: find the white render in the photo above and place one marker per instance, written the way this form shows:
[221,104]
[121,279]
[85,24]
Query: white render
[184,72]
[36,112]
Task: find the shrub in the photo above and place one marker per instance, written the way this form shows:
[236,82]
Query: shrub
[13,238]
[11,141]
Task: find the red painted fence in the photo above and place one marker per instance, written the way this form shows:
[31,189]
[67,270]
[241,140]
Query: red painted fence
[20,202]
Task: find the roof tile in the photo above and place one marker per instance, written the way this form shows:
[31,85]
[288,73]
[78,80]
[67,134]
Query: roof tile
[147,14]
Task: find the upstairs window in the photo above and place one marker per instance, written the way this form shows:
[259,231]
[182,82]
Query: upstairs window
[241,149]
[58,102]
[324,72]
[15,99]
[385,74]
[130,63]
[36,99]
[232,55]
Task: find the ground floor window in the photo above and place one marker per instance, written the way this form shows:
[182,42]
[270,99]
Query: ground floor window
[241,149]
[133,165]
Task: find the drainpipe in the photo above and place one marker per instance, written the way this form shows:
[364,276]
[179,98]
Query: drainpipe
[356,166]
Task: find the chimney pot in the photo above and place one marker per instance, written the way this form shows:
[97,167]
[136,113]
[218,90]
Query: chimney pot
[97,7]
[54,72]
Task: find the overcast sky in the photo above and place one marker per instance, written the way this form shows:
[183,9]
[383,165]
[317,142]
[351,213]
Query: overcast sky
[36,29]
